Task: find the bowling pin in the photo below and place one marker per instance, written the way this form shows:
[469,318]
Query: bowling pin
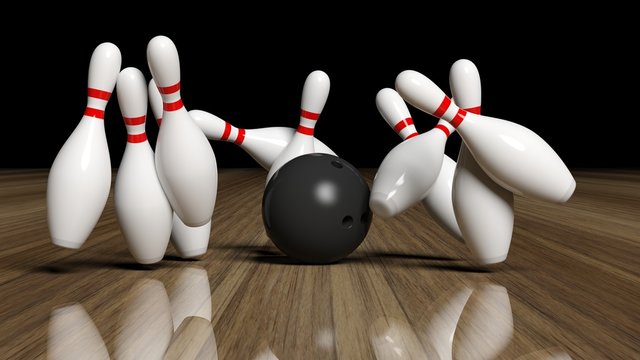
[73,335]
[483,209]
[80,176]
[314,95]
[409,171]
[142,209]
[185,161]
[438,201]
[512,155]
[193,340]
[264,145]
[190,242]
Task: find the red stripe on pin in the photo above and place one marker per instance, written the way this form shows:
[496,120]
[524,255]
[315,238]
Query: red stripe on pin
[399,126]
[136,120]
[444,129]
[169,89]
[240,137]
[409,121]
[474,110]
[227,132]
[305,130]
[444,105]
[159,121]
[136,138]
[173,106]
[98,94]
[96,113]
[457,120]
[411,135]
[309,115]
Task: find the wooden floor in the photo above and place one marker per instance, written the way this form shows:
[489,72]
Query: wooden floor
[570,286]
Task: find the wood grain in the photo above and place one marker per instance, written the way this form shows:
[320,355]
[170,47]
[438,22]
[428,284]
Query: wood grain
[569,288]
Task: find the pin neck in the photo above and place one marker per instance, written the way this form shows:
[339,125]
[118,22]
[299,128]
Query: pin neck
[405,124]
[136,124]
[96,103]
[307,122]
[444,130]
[441,112]
[226,135]
[171,100]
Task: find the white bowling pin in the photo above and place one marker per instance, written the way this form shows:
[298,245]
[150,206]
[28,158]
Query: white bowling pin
[409,171]
[512,155]
[185,161]
[142,209]
[264,145]
[80,176]
[73,335]
[483,209]
[145,327]
[190,242]
[314,96]
[438,201]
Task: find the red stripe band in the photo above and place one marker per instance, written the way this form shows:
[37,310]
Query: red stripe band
[98,94]
[457,120]
[169,89]
[403,124]
[309,115]
[305,130]
[96,113]
[173,106]
[159,121]
[411,135]
[240,137]
[444,129]
[444,105]
[136,120]
[474,110]
[227,132]
[136,138]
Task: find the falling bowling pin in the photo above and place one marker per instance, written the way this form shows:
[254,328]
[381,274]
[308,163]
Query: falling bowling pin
[185,161]
[483,209]
[189,242]
[512,155]
[314,96]
[142,209]
[264,145]
[80,176]
[409,171]
[438,201]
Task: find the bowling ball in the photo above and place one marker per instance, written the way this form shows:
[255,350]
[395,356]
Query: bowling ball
[315,208]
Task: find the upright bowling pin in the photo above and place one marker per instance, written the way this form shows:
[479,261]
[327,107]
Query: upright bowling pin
[314,95]
[409,171]
[264,145]
[143,211]
[190,242]
[483,209]
[80,176]
[512,155]
[185,161]
[438,201]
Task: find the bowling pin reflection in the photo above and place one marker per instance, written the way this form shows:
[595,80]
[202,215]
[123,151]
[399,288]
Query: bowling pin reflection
[73,335]
[394,339]
[145,327]
[152,324]
[472,324]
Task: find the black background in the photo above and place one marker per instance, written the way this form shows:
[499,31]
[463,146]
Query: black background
[565,81]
